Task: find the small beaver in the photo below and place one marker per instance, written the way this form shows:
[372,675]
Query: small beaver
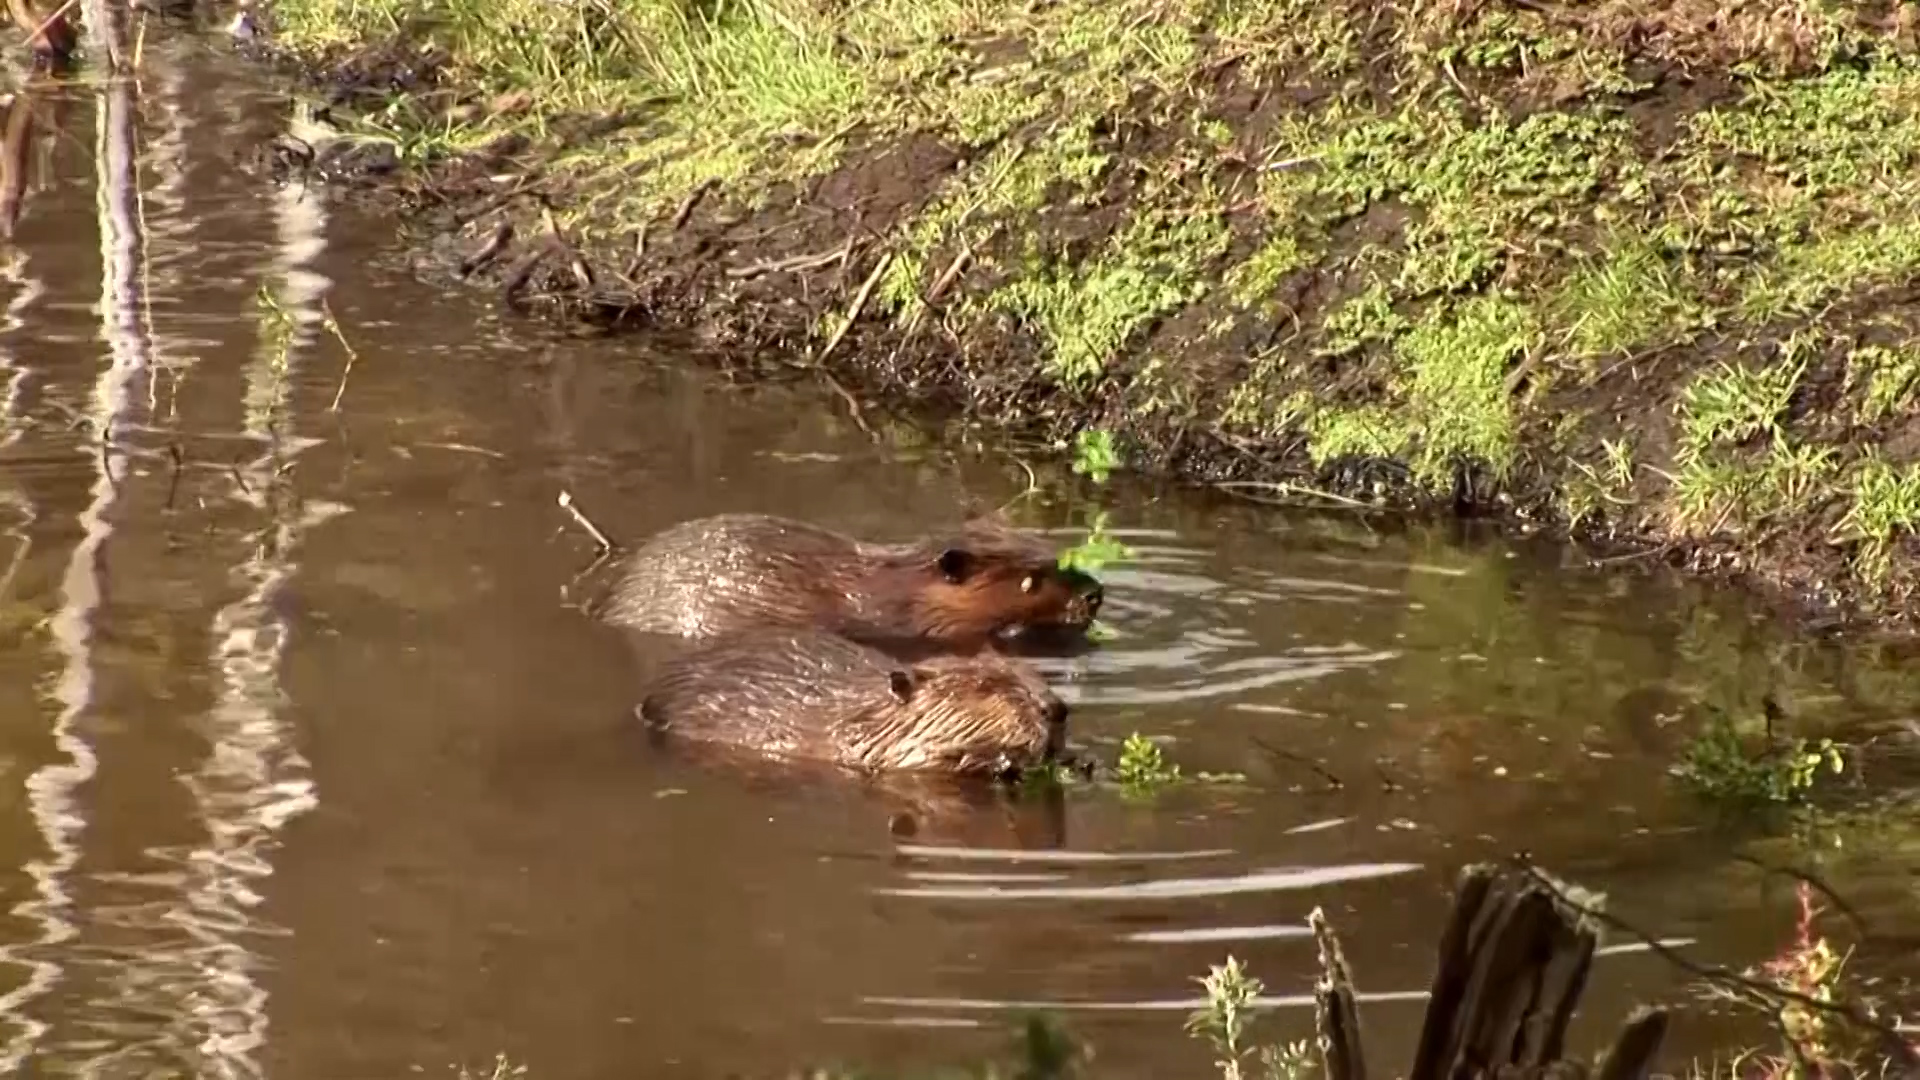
[975,585]
[806,693]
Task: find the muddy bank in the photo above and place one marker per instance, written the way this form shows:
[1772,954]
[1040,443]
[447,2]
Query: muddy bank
[1635,278]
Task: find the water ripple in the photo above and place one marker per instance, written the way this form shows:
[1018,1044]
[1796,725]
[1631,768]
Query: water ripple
[1274,880]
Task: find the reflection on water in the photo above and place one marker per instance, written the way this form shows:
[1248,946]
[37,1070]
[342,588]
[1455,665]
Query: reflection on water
[306,770]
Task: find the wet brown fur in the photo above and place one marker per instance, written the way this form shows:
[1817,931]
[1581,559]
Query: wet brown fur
[958,590]
[807,693]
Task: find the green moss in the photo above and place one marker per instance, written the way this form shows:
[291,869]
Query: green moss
[1456,371]
[1087,314]
[1484,191]
[1255,278]
[1367,317]
[1806,276]
[1013,180]
[1363,432]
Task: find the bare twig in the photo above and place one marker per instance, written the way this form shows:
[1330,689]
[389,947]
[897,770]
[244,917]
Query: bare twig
[1338,1013]
[692,200]
[859,304]
[940,286]
[639,253]
[557,240]
[795,262]
[522,271]
[600,538]
[502,236]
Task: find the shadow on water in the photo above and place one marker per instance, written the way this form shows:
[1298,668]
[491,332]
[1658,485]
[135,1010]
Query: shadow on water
[305,770]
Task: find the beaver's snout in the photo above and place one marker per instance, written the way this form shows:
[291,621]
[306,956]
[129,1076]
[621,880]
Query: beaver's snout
[1087,595]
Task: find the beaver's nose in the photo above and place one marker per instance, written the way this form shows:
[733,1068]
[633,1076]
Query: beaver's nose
[1091,594]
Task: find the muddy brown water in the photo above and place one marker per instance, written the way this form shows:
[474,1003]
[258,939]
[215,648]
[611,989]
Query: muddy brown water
[306,770]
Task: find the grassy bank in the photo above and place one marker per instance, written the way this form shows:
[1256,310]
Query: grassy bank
[1636,270]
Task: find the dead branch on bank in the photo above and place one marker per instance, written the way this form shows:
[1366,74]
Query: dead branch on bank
[859,305]
[1512,967]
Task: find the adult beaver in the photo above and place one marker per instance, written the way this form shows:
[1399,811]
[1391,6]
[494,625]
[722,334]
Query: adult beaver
[958,590]
[807,693]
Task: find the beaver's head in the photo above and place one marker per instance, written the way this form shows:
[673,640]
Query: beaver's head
[973,715]
[995,583]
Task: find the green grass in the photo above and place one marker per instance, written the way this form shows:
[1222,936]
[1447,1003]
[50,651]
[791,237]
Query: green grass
[1625,300]
[1887,377]
[1885,504]
[1441,239]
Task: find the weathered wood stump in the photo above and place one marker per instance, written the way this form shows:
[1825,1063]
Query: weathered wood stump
[1513,963]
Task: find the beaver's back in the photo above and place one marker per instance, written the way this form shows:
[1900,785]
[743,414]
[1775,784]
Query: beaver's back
[710,576]
[776,691]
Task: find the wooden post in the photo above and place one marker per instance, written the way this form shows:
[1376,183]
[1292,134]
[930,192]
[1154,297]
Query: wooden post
[1512,965]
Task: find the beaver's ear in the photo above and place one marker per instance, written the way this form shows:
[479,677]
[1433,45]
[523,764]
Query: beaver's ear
[956,564]
[901,683]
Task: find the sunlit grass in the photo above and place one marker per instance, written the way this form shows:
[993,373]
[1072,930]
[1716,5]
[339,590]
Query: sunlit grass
[1397,259]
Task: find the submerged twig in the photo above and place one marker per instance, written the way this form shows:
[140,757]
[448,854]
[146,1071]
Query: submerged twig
[173,481]
[853,403]
[581,519]
[859,304]
[333,326]
[1334,783]
[1237,487]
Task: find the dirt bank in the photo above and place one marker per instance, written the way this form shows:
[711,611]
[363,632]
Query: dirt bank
[1638,273]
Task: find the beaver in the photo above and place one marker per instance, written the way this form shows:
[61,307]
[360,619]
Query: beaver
[810,694]
[959,590]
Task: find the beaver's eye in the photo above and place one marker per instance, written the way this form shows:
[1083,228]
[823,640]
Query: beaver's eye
[1029,583]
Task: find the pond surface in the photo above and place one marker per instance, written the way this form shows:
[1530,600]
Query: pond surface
[308,770]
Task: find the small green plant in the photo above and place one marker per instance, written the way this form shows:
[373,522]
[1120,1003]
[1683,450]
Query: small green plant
[1719,766]
[1097,550]
[1094,455]
[1224,1021]
[1143,765]
[502,1069]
